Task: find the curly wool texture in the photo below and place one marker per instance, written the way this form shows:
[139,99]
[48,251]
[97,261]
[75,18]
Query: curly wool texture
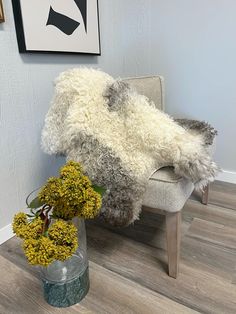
[199,127]
[121,139]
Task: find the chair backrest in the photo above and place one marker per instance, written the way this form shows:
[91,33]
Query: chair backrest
[150,86]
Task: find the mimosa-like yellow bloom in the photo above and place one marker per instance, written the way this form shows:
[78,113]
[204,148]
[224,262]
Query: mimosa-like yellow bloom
[71,194]
[39,252]
[49,234]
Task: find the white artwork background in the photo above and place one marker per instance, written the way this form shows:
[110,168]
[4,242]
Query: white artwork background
[38,36]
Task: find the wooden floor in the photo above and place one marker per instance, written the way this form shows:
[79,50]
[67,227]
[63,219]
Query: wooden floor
[128,266]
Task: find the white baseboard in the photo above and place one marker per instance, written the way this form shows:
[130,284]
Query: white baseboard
[6,233]
[227,176]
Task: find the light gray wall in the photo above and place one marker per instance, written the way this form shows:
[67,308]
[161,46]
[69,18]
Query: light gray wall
[192,43]
[26,89]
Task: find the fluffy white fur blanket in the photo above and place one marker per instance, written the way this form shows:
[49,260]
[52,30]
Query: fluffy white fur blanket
[121,139]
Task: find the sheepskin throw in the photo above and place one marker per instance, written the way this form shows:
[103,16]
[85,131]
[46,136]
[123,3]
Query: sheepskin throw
[121,139]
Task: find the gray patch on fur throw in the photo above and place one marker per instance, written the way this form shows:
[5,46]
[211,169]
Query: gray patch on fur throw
[201,127]
[121,203]
[117,94]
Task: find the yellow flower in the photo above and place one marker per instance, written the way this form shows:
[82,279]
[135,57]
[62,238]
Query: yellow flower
[71,168]
[19,223]
[71,194]
[64,236]
[35,228]
[63,233]
[60,243]
[52,191]
[92,205]
[26,229]
[64,252]
[65,197]
[39,252]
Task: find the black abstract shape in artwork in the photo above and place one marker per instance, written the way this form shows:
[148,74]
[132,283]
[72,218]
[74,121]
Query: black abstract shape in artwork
[62,22]
[82,5]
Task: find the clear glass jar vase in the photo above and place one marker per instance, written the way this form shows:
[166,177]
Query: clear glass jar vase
[67,283]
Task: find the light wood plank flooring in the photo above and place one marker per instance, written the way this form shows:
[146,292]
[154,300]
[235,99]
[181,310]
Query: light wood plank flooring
[128,267]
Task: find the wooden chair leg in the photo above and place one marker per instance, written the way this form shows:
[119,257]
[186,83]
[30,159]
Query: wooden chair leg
[173,233]
[205,195]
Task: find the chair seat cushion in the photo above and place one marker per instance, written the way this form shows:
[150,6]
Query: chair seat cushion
[167,191]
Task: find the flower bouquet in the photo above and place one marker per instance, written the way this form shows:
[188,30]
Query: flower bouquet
[54,236]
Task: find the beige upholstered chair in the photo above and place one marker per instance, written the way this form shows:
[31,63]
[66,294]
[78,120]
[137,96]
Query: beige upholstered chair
[166,192]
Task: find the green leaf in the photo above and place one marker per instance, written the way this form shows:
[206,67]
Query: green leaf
[30,216]
[99,189]
[35,203]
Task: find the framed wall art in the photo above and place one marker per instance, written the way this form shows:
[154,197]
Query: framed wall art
[2,19]
[52,26]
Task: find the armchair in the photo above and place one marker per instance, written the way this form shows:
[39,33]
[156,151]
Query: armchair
[166,192]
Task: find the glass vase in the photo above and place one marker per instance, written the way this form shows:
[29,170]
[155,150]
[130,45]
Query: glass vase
[67,283]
